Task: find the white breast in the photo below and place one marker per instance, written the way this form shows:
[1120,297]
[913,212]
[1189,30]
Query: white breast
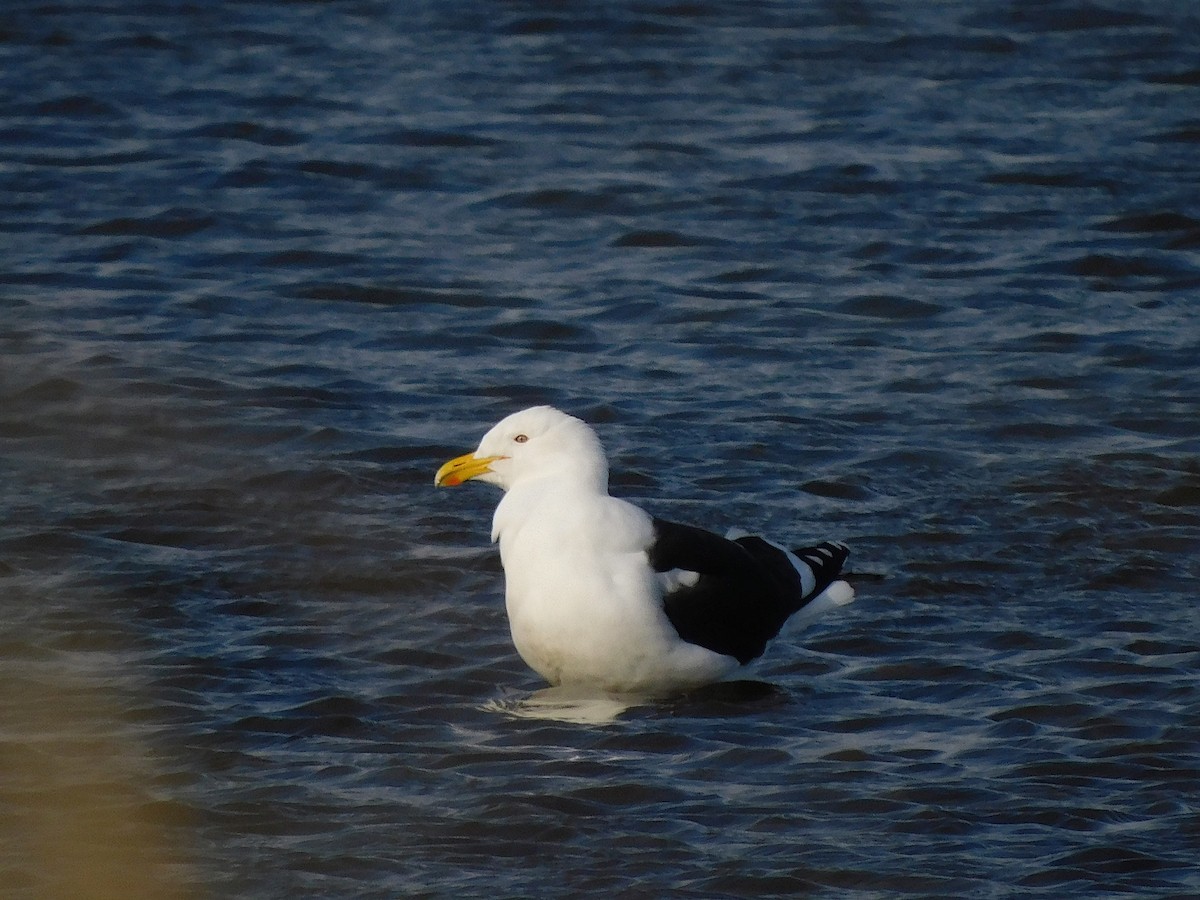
[584,606]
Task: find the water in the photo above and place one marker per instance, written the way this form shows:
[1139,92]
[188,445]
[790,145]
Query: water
[923,280]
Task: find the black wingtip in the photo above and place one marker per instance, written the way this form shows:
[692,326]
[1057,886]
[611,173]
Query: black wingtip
[823,556]
[825,560]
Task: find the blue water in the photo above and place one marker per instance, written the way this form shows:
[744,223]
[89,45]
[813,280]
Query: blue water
[922,278]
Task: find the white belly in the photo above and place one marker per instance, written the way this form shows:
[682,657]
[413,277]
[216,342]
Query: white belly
[571,631]
[589,611]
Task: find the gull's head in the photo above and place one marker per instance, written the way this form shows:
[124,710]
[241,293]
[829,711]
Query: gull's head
[534,442]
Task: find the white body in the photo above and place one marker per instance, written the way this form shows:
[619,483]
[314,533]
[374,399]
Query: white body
[577,588]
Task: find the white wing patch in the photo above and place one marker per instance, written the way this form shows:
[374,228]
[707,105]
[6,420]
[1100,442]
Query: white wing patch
[675,579]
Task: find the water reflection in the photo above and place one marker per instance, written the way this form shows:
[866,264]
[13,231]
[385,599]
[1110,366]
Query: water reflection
[576,705]
[584,706]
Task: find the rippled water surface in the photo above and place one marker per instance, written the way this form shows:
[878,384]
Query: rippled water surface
[921,277]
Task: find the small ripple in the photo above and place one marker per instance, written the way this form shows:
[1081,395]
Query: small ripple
[612,200]
[1101,265]
[1109,860]
[75,106]
[1186,77]
[1031,178]
[1057,714]
[1152,223]
[385,295]
[250,132]
[546,335]
[88,160]
[660,240]
[437,140]
[172,223]
[1060,17]
[889,307]
[849,488]
[384,177]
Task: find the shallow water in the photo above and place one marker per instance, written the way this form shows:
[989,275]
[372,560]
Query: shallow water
[920,280]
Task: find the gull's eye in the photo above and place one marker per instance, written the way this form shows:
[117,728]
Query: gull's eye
[521,438]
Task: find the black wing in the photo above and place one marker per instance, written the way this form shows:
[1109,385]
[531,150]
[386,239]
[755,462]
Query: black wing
[747,590]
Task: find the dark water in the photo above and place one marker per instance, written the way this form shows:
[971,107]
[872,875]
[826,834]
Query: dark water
[922,277]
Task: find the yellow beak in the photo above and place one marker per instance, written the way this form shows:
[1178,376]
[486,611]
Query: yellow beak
[463,468]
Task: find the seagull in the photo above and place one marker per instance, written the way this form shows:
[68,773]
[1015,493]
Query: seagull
[602,595]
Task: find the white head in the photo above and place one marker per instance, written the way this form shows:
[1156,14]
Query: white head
[534,442]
